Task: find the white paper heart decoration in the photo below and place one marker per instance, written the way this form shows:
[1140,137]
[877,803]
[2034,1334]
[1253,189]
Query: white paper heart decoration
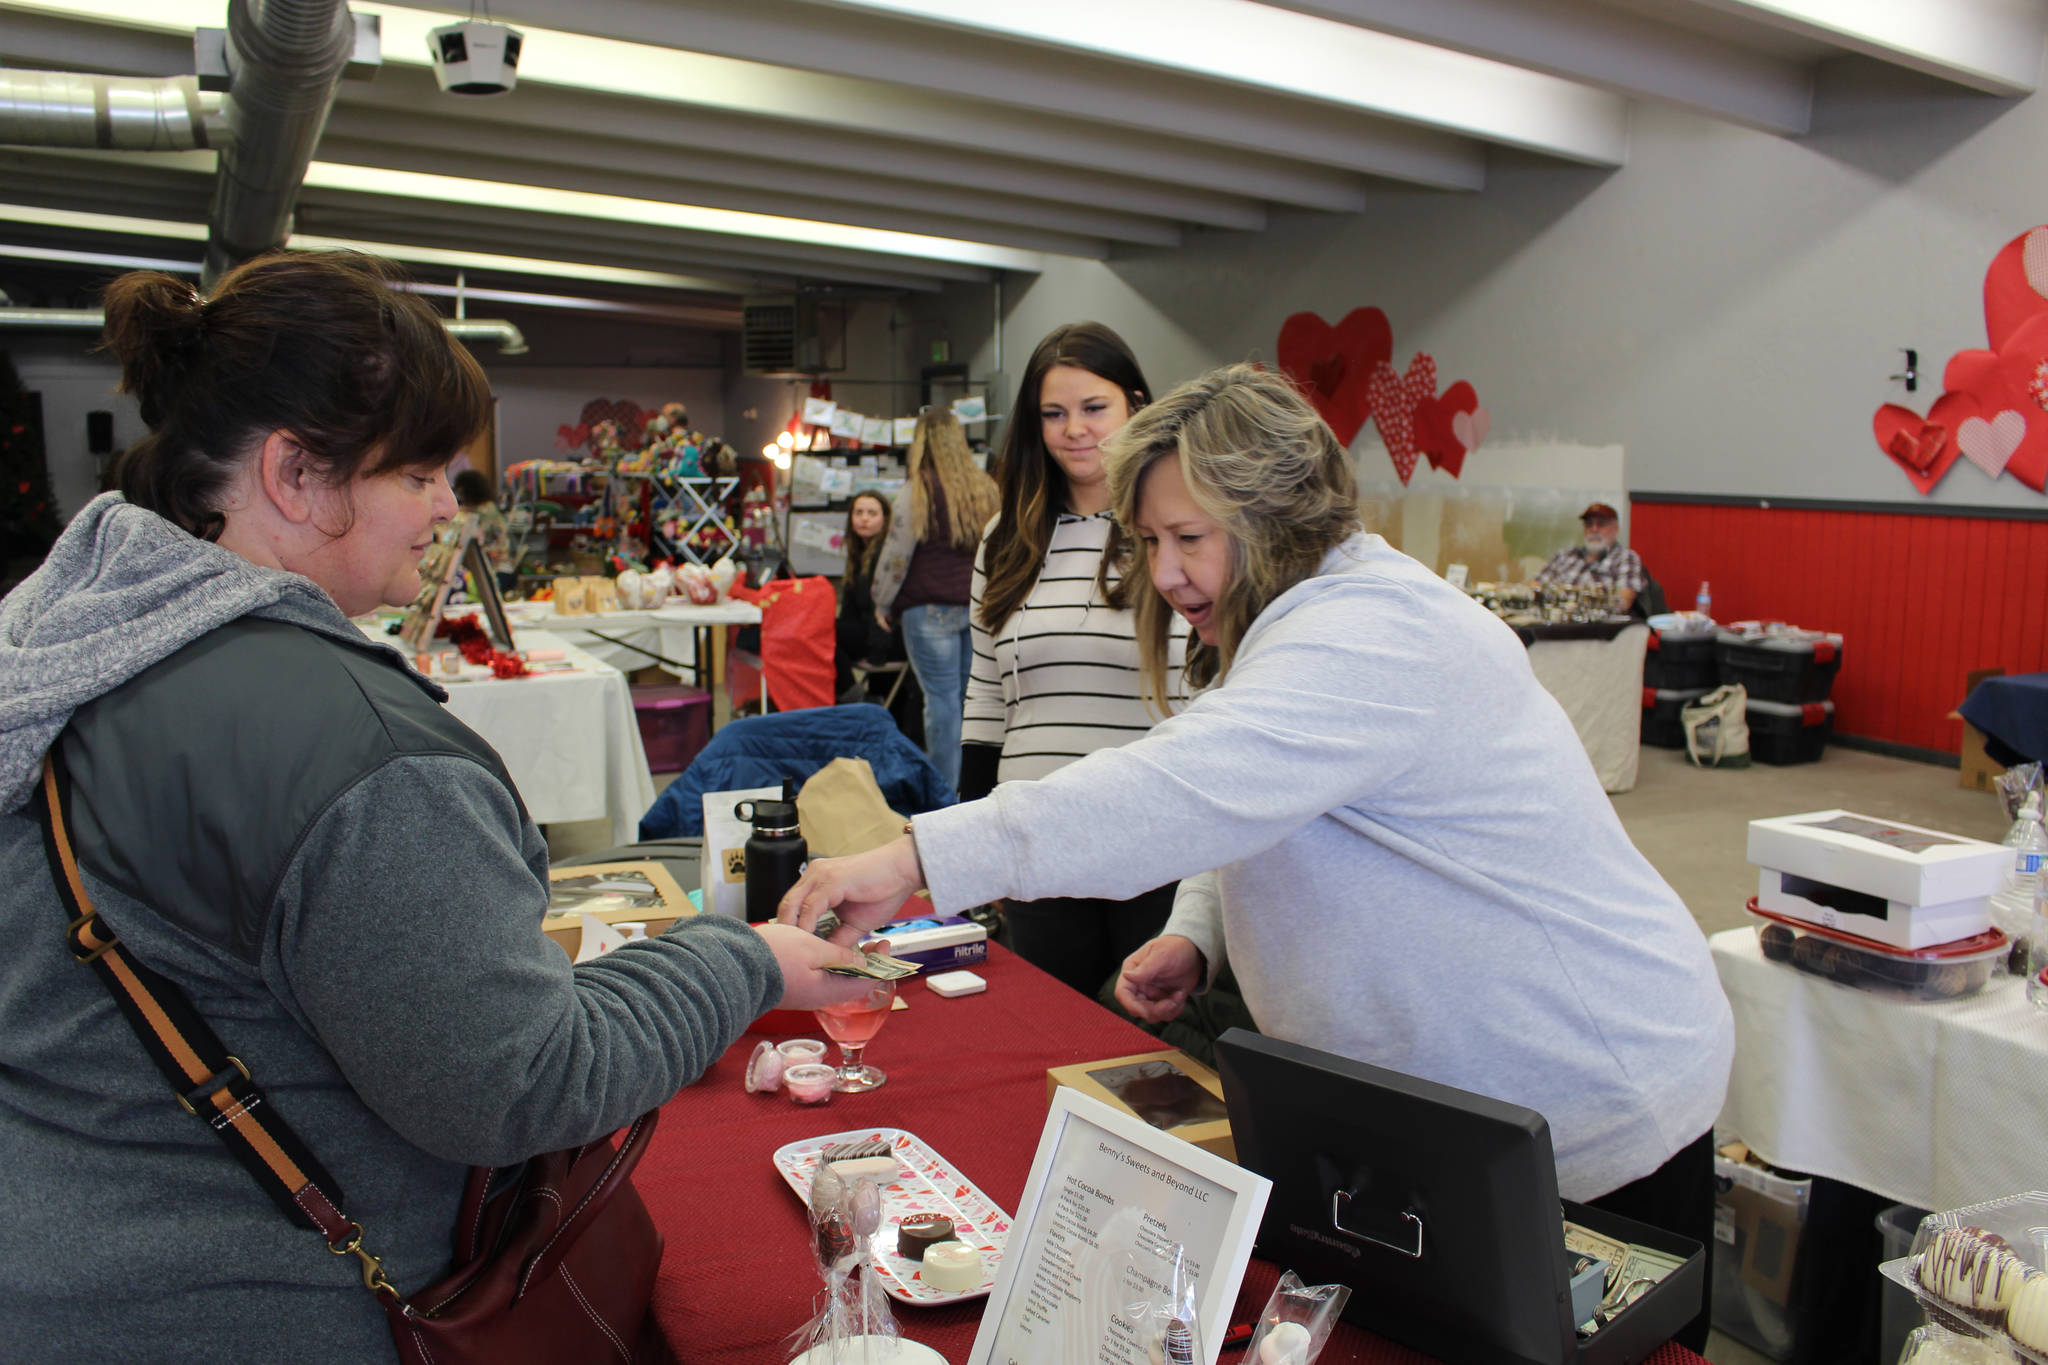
[1988,445]
[1471,427]
[2034,260]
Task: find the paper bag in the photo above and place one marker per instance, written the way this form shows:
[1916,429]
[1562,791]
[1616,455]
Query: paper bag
[842,811]
[599,594]
[724,864]
[569,597]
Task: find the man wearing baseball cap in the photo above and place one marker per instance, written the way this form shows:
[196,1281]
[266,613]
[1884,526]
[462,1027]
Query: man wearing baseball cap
[1597,561]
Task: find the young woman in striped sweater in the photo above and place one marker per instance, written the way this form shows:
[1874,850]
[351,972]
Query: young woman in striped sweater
[1055,669]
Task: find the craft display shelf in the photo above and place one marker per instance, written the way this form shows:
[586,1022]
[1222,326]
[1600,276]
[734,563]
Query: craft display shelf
[698,504]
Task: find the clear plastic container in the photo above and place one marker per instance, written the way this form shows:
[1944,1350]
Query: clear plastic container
[1941,971]
[1899,1311]
[2020,1221]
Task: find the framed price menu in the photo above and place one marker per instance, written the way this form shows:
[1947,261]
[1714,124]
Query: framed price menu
[1109,1201]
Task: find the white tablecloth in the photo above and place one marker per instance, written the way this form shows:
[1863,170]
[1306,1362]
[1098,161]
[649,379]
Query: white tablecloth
[569,739]
[1600,685]
[1934,1105]
[669,631]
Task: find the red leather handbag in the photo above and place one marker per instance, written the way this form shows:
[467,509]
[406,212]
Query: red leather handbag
[555,1264]
[554,1260]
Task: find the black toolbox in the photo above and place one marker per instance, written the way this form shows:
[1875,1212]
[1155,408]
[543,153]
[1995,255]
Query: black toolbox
[1780,668]
[1782,733]
[1682,661]
[1662,727]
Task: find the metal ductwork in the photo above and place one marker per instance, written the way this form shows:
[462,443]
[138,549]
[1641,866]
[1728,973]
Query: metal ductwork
[115,113]
[283,59]
[509,339]
[274,67]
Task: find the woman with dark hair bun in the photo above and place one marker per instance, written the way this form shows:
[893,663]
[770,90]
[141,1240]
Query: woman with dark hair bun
[274,813]
[1055,670]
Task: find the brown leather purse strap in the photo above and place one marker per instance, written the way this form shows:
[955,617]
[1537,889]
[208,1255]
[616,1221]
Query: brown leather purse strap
[206,1080]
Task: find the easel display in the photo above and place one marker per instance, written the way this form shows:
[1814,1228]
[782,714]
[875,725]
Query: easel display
[440,570]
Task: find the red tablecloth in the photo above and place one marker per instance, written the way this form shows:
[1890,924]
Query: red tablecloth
[967,1076]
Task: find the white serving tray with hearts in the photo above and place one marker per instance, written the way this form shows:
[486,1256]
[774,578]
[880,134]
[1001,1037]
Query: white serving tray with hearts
[925,1183]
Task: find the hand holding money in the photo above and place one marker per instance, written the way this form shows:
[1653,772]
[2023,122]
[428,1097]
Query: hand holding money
[876,964]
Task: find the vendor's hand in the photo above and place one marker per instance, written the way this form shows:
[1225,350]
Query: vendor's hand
[802,957]
[865,890]
[1157,980]
[882,615]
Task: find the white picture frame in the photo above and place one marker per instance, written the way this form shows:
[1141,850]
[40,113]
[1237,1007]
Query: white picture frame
[1181,1194]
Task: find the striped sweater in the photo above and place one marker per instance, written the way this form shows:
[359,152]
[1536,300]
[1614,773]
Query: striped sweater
[1059,679]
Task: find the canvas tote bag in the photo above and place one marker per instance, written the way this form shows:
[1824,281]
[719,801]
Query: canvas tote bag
[1717,728]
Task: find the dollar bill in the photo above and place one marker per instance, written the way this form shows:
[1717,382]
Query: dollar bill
[1586,1242]
[879,966]
[1644,1263]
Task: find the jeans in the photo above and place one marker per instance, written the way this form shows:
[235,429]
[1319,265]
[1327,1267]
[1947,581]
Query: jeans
[940,647]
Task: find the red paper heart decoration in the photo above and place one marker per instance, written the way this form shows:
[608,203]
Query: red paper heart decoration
[2011,378]
[2014,292]
[1923,447]
[1450,426]
[1335,365]
[1395,399]
[624,414]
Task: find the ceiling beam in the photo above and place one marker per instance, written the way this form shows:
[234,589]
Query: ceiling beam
[1620,50]
[1988,45]
[743,231]
[181,177]
[321,209]
[1296,57]
[745,136]
[729,148]
[679,88]
[606,180]
[916,81]
[684,175]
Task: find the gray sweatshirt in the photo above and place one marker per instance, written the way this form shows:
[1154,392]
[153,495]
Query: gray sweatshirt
[1413,864]
[278,815]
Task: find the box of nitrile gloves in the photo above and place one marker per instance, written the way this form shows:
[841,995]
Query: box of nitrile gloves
[937,943]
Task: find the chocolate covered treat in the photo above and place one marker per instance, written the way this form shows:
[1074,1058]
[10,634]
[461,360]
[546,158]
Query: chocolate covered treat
[849,1151]
[952,1266]
[1972,1269]
[920,1231]
[1776,941]
[873,1158]
[2027,1320]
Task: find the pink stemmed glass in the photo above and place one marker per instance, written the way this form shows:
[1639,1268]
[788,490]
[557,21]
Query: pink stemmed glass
[852,1025]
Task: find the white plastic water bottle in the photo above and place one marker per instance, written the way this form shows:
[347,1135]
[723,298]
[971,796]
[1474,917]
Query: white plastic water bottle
[1704,602]
[2029,844]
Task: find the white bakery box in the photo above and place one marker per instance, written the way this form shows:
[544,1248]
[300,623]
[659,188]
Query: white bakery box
[1878,879]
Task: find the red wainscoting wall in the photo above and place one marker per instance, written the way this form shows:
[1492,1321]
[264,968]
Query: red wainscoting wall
[1920,600]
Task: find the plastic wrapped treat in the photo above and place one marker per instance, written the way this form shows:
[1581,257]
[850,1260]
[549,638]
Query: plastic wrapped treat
[1297,1320]
[1979,1272]
[1169,1326]
[852,1314]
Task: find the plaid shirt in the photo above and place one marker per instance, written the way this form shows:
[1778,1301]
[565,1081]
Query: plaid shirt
[1614,567]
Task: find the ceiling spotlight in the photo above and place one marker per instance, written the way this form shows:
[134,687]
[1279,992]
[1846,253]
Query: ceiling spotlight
[475,57]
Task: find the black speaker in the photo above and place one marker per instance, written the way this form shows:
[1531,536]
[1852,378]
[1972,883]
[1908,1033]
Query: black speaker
[99,432]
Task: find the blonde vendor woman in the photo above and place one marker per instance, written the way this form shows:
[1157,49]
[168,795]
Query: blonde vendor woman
[1378,817]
